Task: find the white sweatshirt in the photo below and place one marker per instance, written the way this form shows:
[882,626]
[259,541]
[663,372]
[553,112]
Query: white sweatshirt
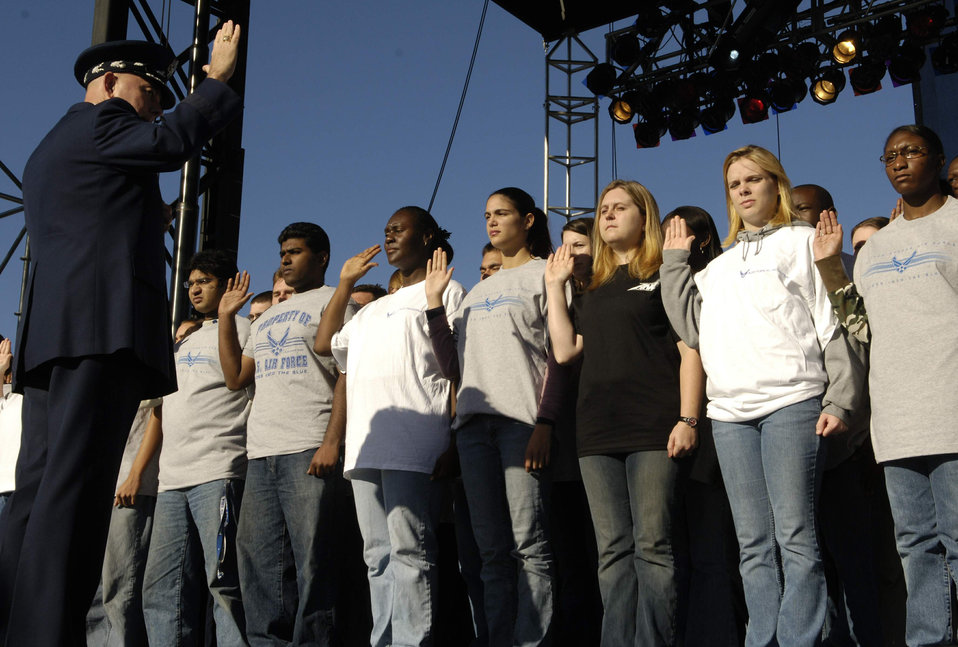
[763,323]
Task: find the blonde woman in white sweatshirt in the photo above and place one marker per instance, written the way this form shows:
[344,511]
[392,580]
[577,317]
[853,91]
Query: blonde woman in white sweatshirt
[779,377]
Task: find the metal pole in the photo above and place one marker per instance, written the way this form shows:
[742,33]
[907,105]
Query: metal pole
[187,208]
[26,275]
[110,19]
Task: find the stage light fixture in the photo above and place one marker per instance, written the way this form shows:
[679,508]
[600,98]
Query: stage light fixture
[866,78]
[601,79]
[682,124]
[945,57]
[806,58]
[753,108]
[926,22]
[785,93]
[716,115]
[884,36]
[625,107]
[905,64]
[728,55]
[683,94]
[620,111]
[648,133]
[847,47]
[827,86]
[769,64]
[626,50]
[649,20]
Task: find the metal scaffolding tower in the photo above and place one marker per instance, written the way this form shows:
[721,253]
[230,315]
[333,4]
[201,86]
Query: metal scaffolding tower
[572,128]
[210,185]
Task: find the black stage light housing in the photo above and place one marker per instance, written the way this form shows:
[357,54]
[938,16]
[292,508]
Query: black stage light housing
[601,79]
[753,108]
[827,86]
[716,115]
[866,78]
[945,57]
[682,124]
[905,64]
[649,132]
[847,47]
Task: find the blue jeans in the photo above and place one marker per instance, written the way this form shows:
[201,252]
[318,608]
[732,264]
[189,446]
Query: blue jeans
[398,512]
[923,493]
[202,517]
[632,498]
[281,500]
[470,563]
[849,513]
[772,470]
[124,564]
[509,509]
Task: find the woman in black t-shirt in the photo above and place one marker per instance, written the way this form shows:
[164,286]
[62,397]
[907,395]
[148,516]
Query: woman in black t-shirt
[640,393]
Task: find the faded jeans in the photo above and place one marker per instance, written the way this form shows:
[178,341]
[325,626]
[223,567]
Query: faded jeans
[509,509]
[632,498]
[772,468]
[923,493]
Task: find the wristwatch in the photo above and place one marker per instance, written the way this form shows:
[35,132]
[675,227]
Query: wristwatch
[691,422]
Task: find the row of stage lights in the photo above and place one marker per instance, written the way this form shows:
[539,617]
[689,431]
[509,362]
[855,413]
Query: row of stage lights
[776,79]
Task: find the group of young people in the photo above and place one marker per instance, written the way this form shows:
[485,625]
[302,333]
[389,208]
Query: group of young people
[697,389]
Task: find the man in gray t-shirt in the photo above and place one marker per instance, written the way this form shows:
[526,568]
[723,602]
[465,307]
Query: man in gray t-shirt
[201,479]
[293,439]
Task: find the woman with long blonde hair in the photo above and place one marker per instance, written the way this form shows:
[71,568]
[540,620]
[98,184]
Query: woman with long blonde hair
[780,376]
[640,394]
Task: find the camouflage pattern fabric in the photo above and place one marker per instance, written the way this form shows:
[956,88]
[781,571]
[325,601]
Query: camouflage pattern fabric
[850,309]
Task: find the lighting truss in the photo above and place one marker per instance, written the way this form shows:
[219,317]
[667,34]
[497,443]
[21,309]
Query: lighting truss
[689,34]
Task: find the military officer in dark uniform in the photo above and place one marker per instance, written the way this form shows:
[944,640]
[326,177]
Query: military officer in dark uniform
[94,338]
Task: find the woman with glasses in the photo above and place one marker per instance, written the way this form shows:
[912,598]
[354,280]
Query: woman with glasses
[907,279]
[778,378]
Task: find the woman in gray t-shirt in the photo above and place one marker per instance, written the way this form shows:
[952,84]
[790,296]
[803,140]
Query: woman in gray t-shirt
[502,434]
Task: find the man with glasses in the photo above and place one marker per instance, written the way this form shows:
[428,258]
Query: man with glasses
[202,477]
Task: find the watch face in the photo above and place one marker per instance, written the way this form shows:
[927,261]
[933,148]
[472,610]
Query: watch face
[691,422]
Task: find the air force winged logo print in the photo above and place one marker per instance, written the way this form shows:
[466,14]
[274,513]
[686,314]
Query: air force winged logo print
[191,360]
[491,304]
[278,346]
[901,266]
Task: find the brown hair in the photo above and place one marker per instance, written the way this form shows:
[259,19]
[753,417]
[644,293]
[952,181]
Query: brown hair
[648,256]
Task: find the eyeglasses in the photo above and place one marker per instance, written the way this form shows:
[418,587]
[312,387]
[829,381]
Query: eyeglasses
[909,153]
[200,282]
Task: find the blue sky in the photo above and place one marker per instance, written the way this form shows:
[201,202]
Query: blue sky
[349,106]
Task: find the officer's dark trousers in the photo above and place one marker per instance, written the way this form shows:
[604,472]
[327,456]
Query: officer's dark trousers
[77,414]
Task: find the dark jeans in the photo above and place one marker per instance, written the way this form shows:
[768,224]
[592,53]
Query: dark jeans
[632,499]
[283,508]
[76,418]
[578,607]
[712,609]
[855,532]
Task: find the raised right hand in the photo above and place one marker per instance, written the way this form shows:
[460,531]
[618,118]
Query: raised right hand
[437,278]
[559,266]
[677,235]
[236,295]
[828,236]
[356,267]
[6,356]
[898,210]
[224,53]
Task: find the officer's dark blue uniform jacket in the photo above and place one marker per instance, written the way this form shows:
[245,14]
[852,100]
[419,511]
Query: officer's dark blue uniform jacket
[95,219]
